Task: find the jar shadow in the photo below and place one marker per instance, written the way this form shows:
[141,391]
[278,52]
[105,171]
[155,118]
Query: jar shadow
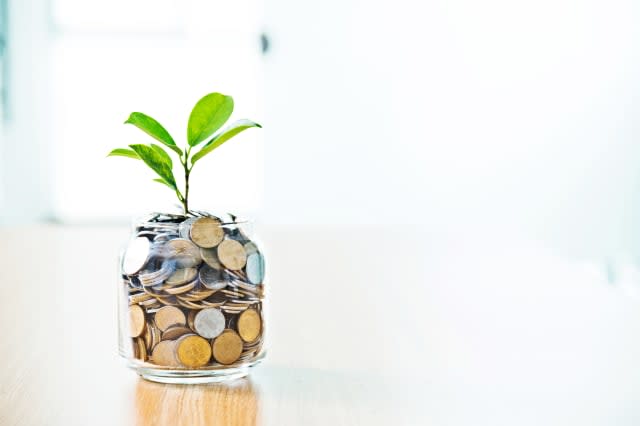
[230,403]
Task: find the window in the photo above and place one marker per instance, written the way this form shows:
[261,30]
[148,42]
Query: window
[158,57]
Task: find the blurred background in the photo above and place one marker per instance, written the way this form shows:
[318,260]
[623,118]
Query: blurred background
[499,138]
[497,118]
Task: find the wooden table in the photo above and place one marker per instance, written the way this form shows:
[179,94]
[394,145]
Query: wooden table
[367,326]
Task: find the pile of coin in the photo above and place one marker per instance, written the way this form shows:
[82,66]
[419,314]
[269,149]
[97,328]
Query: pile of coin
[194,291]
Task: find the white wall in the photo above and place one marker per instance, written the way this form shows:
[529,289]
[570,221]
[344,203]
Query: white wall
[493,117]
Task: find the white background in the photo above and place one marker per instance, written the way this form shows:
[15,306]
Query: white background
[499,118]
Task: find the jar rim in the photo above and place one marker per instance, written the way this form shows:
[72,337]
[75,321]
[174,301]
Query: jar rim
[175,219]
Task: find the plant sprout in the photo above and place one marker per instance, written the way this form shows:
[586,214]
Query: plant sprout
[207,117]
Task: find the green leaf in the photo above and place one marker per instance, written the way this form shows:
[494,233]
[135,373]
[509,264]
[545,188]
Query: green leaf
[157,162]
[163,154]
[123,152]
[162,181]
[224,136]
[207,116]
[153,129]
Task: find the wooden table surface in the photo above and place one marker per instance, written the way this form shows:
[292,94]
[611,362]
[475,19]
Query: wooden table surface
[367,326]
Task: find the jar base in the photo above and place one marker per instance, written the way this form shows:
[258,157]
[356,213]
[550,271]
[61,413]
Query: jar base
[200,376]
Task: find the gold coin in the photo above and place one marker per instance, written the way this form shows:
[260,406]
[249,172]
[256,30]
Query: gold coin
[176,331]
[184,252]
[227,347]
[249,325]
[136,320]
[164,353]
[168,316]
[207,232]
[232,255]
[193,351]
[181,276]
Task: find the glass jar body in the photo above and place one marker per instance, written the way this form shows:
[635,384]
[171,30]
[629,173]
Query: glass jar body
[191,299]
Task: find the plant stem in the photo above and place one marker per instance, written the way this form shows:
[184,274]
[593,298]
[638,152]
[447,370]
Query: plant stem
[187,172]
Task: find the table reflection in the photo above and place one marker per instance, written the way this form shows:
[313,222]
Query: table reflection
[233,403]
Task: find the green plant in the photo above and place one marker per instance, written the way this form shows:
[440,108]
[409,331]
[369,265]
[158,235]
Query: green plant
[206,118]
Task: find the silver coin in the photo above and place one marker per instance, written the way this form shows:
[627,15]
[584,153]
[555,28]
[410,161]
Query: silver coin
[209,323]
[181,276]
[185,227]
[255,268]
[211,278]
[150,278]
[251,248]
[136,255]
[184,252]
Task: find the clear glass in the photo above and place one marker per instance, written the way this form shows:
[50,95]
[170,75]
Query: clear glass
[191,298]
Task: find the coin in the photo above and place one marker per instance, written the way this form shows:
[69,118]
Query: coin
[175,331]
[190,317]
[193,351]
[164,354]
[136,320]
[250,248]
[185,253]
[151,336]
[255,268]
[139,297]
[209,323]
[182,288]
[185,227]
[232,255]
[136,255]
[211,278]
[227,347]
[169,316]
[207,232]
[210,257]
[140,349]
[181,276]
[249,325]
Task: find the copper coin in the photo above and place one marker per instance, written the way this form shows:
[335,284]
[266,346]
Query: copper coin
[209,323]
[210,257]
[141,352]
[207,232]
[231,254]
[176,331]
[181,276]
[249,325]
[193,351]
[227,347]
[184,252]
[151,336]
[136,255]
[164,353]
[136,320]
[190,317]
[168,316]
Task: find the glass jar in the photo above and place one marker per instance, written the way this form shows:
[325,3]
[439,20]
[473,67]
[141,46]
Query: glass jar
[191,295]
